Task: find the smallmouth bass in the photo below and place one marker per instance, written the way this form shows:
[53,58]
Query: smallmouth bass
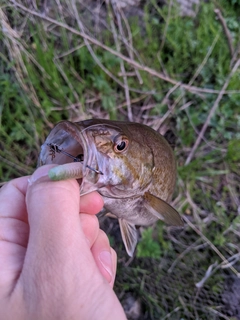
[131,165]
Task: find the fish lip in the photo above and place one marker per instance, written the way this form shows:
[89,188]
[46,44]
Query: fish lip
[67,136]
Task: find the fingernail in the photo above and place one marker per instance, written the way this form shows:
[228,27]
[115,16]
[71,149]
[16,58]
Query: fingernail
[40,173]
[106,261]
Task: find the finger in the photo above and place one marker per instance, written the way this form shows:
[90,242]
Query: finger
[13,231]
[12,259]
[90,227]
[104,259]
[12,199]
[13,214]
[90,207]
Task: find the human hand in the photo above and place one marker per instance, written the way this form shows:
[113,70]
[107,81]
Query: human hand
[55,263]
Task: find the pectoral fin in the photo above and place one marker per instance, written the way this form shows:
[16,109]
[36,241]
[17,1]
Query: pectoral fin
[162,210]
[129,236]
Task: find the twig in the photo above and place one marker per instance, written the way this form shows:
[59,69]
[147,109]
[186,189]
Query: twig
[233,192]
[211,245]
[204,60]
[59,6]
[121,56]
[208,143]
[123,71]
[60,69]
[194,206]
[87,40]
[211,269]
[186,251]
[235,56]
[194,76]
[15,49]
[171,313]
[219,314]
[70,51]
[164,101]
[132,101]
[212,111]
[231,261]
[166,26]
[185,106]
[226,31]
[15,165]
[160,121]
[129,44]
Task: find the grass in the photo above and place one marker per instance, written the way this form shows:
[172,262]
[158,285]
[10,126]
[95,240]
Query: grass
[48,72]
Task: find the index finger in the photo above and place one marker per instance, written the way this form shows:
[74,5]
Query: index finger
[12,199]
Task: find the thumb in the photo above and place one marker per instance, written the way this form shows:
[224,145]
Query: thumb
[57,248]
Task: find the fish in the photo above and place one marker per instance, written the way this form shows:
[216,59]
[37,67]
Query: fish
[131,165]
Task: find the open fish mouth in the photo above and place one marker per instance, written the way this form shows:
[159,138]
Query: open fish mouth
[68,143]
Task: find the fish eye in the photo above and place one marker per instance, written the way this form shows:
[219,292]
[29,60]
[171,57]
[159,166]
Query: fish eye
[121,145]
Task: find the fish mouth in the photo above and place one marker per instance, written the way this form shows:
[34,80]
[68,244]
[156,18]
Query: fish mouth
[68,143]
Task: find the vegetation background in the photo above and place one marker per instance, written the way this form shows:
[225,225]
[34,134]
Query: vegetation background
[147,62]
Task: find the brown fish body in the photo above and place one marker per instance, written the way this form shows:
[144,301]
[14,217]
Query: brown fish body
[137,165]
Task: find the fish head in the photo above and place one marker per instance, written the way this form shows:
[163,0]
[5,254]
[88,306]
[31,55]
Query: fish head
[125,166]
